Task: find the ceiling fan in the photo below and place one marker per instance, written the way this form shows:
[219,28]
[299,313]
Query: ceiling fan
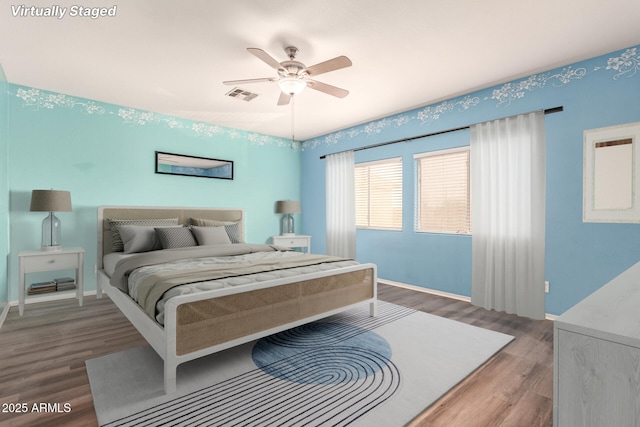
[294,76]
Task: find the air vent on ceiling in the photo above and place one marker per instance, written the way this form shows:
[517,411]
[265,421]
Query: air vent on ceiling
[242,94]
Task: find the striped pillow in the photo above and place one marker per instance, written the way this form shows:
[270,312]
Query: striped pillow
[116,240]
[175,237]
[234,232]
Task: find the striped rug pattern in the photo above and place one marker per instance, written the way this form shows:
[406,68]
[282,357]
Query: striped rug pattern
[326,373]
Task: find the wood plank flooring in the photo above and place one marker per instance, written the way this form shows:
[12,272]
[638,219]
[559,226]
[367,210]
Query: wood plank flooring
[42,358]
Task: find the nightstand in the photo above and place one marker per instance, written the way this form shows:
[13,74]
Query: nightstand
[295,241]
[39,261]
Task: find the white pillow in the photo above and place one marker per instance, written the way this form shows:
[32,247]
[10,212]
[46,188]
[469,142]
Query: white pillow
[211,235]
[139,238]
[232,227]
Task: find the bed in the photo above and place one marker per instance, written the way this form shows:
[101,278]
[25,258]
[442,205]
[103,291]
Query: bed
[189,300]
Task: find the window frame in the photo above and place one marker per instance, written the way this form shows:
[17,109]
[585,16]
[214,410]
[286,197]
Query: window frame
[369,226]
[418,200]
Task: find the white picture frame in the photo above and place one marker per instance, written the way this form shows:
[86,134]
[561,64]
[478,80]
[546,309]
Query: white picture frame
[611,174]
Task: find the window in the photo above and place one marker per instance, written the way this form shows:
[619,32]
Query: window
[379,194]
[444,193]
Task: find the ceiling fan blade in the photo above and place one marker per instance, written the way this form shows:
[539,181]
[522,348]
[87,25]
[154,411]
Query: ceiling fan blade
[328,89]
[265,57]
[284,99]
[237,82]
[330,65]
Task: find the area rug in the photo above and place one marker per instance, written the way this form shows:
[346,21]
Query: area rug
[347,369]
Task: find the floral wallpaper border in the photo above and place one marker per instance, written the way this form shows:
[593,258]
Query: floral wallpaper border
[627,64]
[40,99]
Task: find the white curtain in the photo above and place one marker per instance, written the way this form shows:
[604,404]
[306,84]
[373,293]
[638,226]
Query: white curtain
[508,193]
[341,205]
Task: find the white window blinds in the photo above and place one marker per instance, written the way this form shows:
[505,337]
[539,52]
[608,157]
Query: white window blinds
[444,198]
[379,194]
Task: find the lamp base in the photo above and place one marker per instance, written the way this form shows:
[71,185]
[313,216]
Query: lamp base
[287,225]
[51,230]
[288,234]
[51,248]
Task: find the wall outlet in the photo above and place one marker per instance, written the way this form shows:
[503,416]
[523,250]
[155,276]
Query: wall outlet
[546,286]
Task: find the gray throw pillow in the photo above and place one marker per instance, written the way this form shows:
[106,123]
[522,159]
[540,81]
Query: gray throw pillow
[138,238]
[175,237]
[117,245]
[211,235]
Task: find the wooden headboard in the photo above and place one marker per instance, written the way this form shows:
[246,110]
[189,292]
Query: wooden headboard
[146,212]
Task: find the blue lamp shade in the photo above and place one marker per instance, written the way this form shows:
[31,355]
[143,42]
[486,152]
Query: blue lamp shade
[287,207]
[51,201]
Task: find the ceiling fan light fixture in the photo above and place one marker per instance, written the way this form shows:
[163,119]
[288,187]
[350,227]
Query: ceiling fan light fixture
[291,85]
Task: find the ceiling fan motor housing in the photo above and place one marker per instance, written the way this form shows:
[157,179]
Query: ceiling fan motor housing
[292,68]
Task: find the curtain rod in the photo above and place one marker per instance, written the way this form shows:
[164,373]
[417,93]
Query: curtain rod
[547,111]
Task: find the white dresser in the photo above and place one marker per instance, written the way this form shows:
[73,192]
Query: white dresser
[597,357]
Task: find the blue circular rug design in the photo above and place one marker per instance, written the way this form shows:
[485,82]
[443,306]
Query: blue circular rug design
[322,353]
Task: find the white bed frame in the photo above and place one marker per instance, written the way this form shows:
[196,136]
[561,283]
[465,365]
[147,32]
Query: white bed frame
[163,339]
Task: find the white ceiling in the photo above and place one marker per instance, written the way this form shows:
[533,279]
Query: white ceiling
[171,56]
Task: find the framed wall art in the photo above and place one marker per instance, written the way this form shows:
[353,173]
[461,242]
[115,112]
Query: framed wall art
[204,167]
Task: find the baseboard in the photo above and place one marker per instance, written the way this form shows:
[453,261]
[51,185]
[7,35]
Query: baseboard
[441,293]
[425,290]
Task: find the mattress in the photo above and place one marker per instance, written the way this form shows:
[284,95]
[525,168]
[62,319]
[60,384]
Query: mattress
[138,276]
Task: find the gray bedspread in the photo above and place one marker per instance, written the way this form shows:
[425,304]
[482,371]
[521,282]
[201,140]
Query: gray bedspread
[120,276]
[153,286]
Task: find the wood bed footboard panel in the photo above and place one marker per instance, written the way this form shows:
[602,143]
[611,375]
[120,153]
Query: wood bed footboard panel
[203,324]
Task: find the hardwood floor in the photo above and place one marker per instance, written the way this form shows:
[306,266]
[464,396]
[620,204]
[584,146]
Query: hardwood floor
[42,358]
[513,389]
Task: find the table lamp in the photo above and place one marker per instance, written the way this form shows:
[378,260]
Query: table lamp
[287,207]
[51,201]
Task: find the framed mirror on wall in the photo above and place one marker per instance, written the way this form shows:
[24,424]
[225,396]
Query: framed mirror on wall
[203,167]
[611,189]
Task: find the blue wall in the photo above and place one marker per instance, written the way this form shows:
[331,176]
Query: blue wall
[105,155]
[4,192]
[580,257]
